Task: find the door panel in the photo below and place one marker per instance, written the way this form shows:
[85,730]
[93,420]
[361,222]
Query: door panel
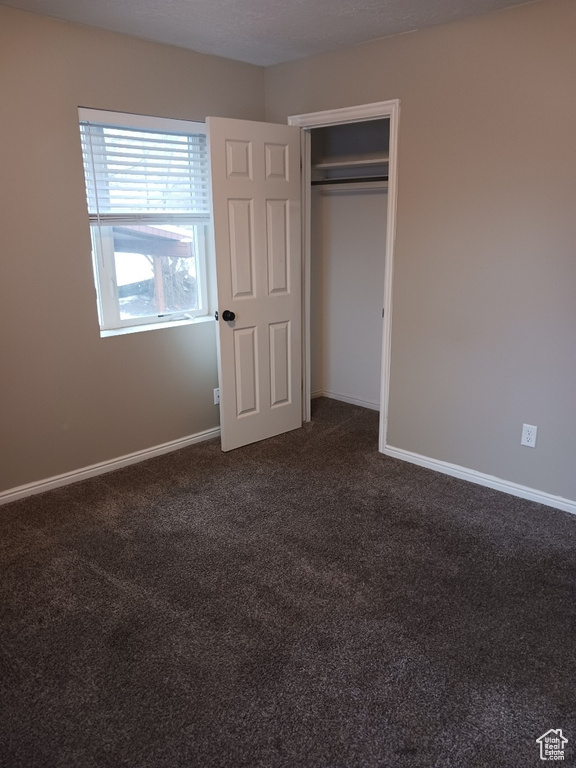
[246,370]
[257,220]
[278,246]
[280,363]
[241,233]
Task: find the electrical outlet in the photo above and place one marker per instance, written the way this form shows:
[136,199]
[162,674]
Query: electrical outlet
[529,432]
[217,396]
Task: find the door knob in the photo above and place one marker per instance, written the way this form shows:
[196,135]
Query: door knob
[228,316]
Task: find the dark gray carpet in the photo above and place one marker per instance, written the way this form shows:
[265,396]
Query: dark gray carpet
[304,602]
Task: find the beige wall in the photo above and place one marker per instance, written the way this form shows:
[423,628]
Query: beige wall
[68,398]
[484,326]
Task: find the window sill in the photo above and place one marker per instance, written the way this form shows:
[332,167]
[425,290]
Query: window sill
[156,326]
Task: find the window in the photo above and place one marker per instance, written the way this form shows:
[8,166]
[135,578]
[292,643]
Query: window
[147,187]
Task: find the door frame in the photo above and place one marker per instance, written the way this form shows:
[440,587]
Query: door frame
[377,110]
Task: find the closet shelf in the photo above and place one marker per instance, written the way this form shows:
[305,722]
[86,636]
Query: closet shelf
[349,180]
[337,164]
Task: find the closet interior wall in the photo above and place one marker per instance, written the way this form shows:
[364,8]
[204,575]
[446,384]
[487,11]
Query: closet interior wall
[348,245]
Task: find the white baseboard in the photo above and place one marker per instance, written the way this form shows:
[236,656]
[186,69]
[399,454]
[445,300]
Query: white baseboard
[105,466]
[472,476]
[346,399]
[444,467]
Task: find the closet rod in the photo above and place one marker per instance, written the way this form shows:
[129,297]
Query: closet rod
[350,180]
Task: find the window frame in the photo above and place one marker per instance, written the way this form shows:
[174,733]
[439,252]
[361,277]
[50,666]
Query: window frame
[103,254]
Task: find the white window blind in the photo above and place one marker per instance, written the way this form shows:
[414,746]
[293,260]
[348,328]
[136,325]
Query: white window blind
[144,175]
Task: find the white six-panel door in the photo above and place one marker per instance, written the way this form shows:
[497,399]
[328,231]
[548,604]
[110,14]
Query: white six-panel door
[257,219]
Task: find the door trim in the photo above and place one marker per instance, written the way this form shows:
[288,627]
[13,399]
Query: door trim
[377,110]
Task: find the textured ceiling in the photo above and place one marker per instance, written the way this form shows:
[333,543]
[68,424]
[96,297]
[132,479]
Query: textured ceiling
[261,32]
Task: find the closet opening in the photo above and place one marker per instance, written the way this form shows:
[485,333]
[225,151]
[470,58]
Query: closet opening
[349,193]
[348,208]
